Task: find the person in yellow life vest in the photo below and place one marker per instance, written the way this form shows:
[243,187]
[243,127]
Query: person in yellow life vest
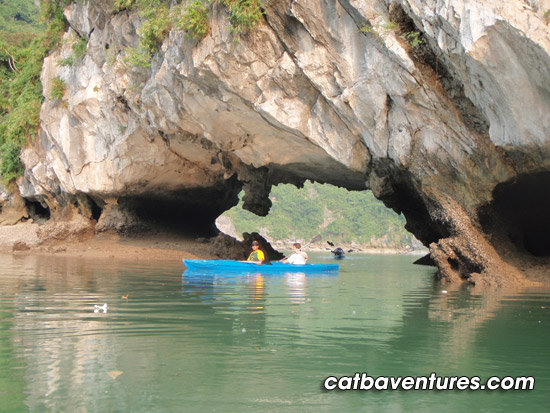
[257,255]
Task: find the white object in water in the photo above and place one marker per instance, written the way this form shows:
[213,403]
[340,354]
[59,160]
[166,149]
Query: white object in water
[98,308]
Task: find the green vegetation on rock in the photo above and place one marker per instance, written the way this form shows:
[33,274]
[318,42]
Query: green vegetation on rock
[337,214]
[58,88]
[194,19]
[159,18]
[29,34]
[244,14]
[157,23]
[78,51]
[25,40]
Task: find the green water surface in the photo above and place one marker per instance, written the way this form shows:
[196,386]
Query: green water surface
[252,343]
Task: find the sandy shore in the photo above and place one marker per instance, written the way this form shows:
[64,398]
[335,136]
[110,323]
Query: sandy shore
[24,238]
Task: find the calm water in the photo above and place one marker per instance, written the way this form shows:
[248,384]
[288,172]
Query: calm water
[183,342]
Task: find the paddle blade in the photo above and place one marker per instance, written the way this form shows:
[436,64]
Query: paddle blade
[315,239]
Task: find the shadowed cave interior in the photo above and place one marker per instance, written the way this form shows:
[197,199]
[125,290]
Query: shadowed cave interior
[190,212]
[37,210]
[519,216]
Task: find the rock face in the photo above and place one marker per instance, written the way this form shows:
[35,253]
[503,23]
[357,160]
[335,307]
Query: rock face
[439,107]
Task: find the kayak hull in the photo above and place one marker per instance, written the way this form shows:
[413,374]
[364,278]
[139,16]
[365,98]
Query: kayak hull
[229,266]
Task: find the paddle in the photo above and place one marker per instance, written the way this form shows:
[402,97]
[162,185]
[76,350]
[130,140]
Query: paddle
[314,239]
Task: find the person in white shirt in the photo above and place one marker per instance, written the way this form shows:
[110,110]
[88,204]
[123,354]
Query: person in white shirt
[298,257]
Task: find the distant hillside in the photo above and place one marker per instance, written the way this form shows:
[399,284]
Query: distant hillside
[345,217]
[19,20]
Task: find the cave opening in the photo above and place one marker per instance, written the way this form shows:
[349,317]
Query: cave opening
[39,212]
[189,212]
[95,209]
[168,215]
[519,214]
[351,219]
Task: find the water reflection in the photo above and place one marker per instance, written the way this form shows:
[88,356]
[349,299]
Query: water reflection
[450,330]
[257,293]
[171,341]
[464,312]
[64,351]
[296,282]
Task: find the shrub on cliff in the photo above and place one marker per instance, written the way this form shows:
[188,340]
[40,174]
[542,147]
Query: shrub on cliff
[243,14]
[20,86]
[193,17]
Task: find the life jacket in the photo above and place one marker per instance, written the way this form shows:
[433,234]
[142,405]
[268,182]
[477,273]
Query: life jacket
[257,255]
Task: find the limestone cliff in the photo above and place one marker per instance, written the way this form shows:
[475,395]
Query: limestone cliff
[441,108]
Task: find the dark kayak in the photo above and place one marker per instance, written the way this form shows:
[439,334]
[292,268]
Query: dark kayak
[338,253]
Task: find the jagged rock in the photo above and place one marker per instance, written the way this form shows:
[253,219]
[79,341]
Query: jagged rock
[20,246]
[12,207]
[224,224]
[118,219]
[77,229]
[446,129]
[425,260]
[270,253]
[224,246]
[227,247]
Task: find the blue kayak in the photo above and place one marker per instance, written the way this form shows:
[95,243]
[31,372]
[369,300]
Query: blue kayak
[221,266]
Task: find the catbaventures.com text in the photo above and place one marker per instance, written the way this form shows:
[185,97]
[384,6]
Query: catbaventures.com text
[362,381]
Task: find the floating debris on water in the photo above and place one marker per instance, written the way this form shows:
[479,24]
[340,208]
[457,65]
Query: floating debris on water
[114,374]
[98,308]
